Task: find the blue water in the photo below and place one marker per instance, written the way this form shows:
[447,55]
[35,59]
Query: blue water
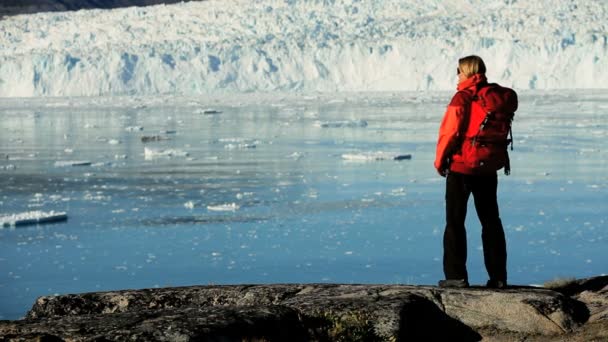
[304,213]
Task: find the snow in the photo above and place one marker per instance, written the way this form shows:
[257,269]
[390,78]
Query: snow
[325,46]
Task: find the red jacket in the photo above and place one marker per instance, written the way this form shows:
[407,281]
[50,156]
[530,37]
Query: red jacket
[453,127]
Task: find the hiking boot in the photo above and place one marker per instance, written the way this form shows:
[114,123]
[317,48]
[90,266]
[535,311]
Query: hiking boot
[496,284]
[456,283]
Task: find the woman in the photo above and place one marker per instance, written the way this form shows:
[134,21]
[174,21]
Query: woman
[461,181]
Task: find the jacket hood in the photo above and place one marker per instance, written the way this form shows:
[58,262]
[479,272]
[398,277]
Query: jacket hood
[472,81]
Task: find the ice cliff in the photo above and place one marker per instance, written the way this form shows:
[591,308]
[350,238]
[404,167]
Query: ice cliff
[327,46]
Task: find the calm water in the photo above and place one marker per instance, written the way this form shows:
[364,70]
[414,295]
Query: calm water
[302,213]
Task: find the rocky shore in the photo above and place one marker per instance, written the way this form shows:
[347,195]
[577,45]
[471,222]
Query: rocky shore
[573,311]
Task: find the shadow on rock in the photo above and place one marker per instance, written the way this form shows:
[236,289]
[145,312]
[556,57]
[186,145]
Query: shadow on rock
[422,320]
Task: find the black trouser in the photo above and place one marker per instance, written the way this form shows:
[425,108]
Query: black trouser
[458,189]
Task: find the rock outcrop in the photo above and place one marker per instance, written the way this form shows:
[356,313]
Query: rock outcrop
[320,312]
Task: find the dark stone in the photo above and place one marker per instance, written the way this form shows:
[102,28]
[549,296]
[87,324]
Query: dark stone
[317,312]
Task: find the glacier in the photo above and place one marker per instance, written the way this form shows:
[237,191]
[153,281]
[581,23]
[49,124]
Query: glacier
[240,46]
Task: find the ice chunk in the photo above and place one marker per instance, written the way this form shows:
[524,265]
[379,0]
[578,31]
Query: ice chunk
[66,163]
[148,138]
[243,146]
[239,143]
[296,155]
[32,217]
[208,111]
[223,207]
[150,153]
[372,156]
[341,124]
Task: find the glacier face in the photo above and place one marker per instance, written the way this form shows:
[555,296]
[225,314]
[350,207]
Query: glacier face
[292,45]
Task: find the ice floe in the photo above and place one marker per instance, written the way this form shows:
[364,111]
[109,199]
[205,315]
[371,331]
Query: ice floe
[32,217]
[66,163]
[151,138]
[341,124]
[150,153]
[372,156]
[208,111]
[243,146]
[223,207]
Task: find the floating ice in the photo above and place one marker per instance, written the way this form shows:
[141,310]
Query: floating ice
[296,155]
[113,141]
[223,207]
[150,153]
[239,143]
[208,111]
[239,146]
[341,124]
[66,163]
[32,217]
[151,138]
[372,156]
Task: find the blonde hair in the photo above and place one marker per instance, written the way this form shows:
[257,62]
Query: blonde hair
[471,65]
